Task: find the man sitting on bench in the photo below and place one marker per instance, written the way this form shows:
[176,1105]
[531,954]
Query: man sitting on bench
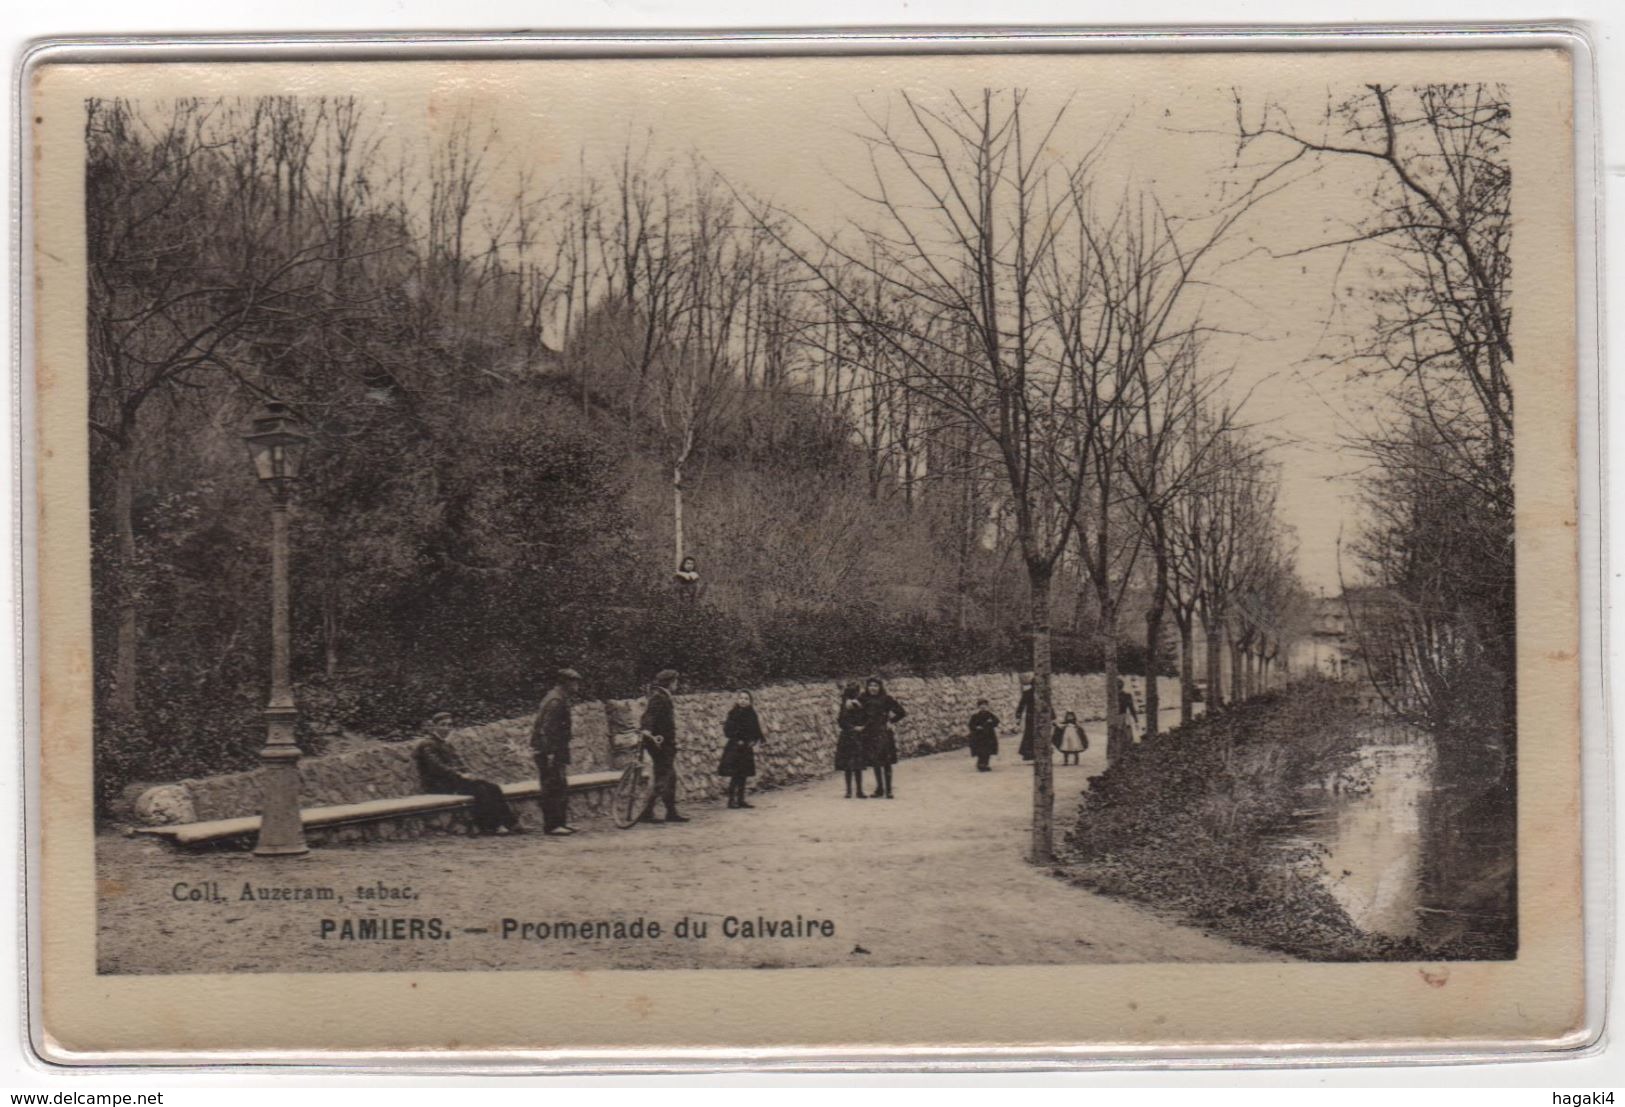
[443,772]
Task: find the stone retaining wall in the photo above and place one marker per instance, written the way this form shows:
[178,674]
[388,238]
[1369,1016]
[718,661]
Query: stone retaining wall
[799,720]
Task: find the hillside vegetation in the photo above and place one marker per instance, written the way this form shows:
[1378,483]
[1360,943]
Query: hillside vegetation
[479,505]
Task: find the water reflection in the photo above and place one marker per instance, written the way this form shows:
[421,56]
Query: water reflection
[1366,823]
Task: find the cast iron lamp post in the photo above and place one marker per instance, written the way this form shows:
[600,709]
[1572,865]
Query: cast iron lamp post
[277,447]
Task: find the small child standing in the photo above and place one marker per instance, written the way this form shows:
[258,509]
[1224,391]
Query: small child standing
[984,736]
[743,731]
[1070,739]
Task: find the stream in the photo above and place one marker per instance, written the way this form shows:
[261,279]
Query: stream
[1366,822]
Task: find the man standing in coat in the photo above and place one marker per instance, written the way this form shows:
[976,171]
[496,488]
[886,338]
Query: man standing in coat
[550,741]
[659,729]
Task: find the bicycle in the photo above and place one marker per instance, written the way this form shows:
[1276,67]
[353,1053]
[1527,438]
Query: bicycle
[634,791]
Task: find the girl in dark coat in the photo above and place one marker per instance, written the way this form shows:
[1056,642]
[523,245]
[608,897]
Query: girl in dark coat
[849,743]
[880,711]
[984,736]
[743,730]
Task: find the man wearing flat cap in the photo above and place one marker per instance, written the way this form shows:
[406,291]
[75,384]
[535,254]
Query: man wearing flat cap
[444,772]
[550,741]
[659,728]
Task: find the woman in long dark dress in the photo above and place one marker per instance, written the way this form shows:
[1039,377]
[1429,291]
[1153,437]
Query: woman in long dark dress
[1028,718]
[849,739]
[1127,710]
[880,711]
[743,730]
[1120,737]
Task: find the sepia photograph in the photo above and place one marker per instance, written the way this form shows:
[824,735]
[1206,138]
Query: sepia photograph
[824,514]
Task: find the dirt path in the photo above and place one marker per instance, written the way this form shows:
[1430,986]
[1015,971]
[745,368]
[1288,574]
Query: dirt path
[933,877]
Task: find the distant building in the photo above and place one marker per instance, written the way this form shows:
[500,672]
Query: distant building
[1328,643]
[1328,648]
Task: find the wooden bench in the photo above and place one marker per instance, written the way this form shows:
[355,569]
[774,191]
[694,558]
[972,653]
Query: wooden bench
[408,814]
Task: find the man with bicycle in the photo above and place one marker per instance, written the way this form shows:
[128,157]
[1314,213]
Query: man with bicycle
[659,731]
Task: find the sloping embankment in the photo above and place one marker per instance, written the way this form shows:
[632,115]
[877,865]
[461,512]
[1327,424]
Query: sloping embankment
[1184,823]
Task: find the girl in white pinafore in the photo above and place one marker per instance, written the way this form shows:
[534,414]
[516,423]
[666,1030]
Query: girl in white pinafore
[1070,738]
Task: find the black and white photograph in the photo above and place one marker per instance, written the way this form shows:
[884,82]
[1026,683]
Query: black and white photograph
[588,515]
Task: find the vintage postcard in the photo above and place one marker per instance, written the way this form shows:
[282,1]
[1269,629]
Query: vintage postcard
[1051,553]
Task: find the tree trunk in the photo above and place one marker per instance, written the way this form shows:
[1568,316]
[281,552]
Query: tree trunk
[1153,647]
[967,526]
[1043,845]
[124,665]
[1215,666]
[961,599]
[874,443]
[906,447]
[1237,692]
[1187,673]
[330,632]
[1108,651]
[1153,629]
[677,511]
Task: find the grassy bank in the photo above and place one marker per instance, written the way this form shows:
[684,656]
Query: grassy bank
[1184,823]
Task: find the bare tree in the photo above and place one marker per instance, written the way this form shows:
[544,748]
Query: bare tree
[1175,462]
[968,197]
[579,218]
[175,296]
[1440,339]
[1255,567]
[1131,340]
[693,378]
[458,177]
[1442,210]
[1217,518]
[1265,601]
[1182,527]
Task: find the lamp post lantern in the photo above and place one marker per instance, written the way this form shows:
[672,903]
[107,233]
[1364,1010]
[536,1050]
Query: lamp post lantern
[277,448]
